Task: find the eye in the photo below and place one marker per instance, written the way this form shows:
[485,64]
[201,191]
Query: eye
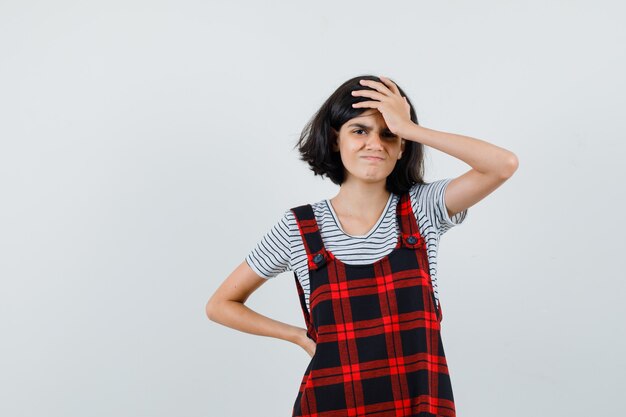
[388,135]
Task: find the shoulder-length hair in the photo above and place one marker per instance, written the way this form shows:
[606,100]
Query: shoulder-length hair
[320,132]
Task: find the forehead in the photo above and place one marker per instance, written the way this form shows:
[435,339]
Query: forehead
[370,117]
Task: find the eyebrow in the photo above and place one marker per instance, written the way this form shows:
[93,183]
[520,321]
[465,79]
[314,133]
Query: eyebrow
[362,126]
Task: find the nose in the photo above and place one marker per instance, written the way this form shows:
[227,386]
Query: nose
[374,141]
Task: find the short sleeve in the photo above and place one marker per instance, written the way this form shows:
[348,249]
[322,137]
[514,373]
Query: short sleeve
[272,253]
[431,197]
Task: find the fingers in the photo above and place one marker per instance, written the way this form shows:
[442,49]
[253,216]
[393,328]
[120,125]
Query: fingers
[372,104]
[389,88]
[377,86]
[369,93]
[390,84]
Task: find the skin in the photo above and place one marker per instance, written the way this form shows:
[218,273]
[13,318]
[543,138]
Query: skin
[362,197]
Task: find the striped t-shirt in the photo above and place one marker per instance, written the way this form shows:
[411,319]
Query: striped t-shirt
[281,248]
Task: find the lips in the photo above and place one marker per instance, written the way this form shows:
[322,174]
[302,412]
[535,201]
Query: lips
[372,158]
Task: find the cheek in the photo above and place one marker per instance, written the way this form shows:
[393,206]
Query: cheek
[351,149]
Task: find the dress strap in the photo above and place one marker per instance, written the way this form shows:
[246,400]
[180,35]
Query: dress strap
[410,236]
[316,253]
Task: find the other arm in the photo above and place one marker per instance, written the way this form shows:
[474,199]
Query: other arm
[227,307]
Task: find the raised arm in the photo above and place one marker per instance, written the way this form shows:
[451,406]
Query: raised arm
[491,165]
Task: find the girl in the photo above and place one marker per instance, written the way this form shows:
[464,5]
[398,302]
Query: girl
[364,261]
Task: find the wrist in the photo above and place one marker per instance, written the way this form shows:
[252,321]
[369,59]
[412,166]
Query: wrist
[412,132]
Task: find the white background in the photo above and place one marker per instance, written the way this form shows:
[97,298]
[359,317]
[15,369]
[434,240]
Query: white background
[146,146]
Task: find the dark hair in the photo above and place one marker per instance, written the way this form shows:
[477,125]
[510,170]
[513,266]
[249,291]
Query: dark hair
[317,138]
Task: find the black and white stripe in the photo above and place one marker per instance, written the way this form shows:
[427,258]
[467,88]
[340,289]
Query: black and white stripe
[281,249]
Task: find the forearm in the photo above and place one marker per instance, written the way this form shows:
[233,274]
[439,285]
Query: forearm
[238,316]
[480,155]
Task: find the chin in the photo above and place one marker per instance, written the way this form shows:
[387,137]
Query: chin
[373,178]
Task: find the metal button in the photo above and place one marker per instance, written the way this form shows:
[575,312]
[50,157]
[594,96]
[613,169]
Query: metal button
[411,240]
[318,258]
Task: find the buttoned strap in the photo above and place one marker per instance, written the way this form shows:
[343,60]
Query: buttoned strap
[412,238]
[316,253]
[409,229]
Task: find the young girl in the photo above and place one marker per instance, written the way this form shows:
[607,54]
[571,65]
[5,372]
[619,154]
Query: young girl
[364,261]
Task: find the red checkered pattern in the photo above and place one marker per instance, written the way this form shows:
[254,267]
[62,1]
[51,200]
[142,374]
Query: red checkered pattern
[377,328]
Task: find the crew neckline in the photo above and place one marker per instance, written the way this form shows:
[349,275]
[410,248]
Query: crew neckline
[372,230]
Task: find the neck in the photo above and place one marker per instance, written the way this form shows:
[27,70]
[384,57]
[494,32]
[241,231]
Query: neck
[361,199]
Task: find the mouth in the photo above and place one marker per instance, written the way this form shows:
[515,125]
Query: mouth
[372,158]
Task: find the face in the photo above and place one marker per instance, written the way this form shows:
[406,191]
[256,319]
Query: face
[369,150]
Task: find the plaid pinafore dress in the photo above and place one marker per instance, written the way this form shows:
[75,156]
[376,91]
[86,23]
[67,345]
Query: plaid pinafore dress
[377,329]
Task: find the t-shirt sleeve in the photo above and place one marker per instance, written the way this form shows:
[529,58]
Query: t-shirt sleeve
[272,253]
[431,197]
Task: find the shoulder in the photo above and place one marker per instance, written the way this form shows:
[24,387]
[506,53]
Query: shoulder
[273,251]
[428,190]
[426,196]
[318,210]
[429,199]
[285,226]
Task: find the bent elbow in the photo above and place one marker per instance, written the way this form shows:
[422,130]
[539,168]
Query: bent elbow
[209,310]
[512,163]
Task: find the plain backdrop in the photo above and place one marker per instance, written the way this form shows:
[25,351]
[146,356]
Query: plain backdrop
[146,146]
